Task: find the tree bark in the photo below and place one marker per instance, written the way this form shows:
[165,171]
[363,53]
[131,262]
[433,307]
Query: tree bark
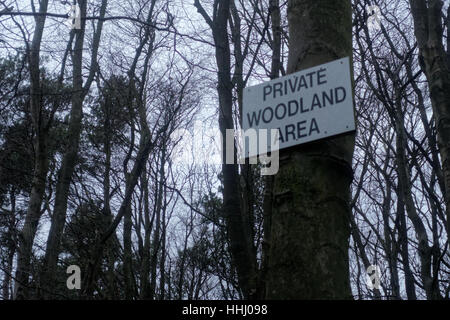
[435,63]
[247,173]
[162,260]
[11,247]
[310,220]
[145,147]
[405,191]
[241,253]
[26,237]
[275,17]
[390,245]
[70,155]
[148,224]
[158,227]
[111,251]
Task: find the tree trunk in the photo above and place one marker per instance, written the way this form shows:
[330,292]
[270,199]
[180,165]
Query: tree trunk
[389,244]
[107,214]
[145,147]
[359,244]
[70,155]
[404,252]
[127,253]
[310,219]
[162,261]
[158,224]
[148,224]
[275,17]
[241,253]
[26,237]
[435,64]
[11,247]
[127,223]
[404,184]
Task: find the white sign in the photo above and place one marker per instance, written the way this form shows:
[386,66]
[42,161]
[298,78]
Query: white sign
[308,105]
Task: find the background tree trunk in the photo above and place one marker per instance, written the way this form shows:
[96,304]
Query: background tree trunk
[275,17]
[70,157]
[435,64]
[26,237]
[241,253]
